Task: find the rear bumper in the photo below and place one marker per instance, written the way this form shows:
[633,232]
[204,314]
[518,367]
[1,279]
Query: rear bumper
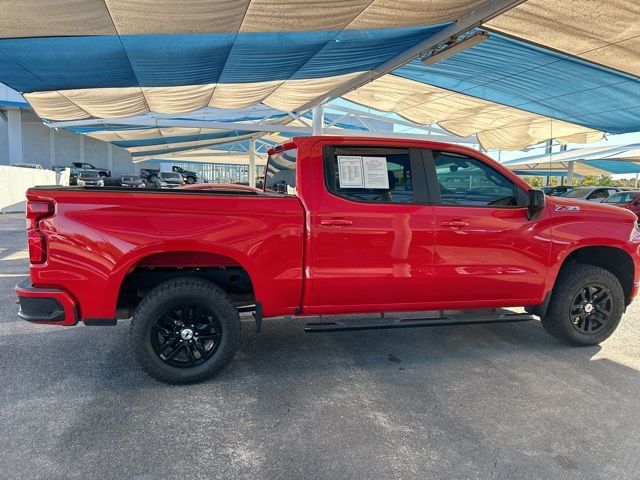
[50,306]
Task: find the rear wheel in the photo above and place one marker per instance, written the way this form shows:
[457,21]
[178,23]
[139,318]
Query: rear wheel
[185,330]
[586,305]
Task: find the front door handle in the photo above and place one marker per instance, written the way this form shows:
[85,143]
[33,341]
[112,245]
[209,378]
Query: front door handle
[336,222]
[455,224]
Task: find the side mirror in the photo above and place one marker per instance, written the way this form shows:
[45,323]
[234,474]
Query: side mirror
[537,203]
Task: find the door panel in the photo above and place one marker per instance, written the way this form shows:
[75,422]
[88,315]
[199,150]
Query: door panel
[367,250]
[495,255]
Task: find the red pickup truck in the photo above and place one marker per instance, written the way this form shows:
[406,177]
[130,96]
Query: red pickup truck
[344,225]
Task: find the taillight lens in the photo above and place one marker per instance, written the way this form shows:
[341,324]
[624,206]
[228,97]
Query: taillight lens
[36,211]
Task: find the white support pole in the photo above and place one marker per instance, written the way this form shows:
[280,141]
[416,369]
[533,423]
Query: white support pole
[81,151]
[14,121]
[252,162]
[570,172]
[318,120]
[52,147]
[110,157]
[636,180]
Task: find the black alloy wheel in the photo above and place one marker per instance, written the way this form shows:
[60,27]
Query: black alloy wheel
[186,336]
[591,308]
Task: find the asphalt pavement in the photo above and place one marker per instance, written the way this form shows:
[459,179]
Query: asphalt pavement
[493,401]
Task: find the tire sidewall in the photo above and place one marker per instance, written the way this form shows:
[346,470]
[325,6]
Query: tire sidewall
[573,287]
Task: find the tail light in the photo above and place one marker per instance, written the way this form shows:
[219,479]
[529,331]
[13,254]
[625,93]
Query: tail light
[36,211]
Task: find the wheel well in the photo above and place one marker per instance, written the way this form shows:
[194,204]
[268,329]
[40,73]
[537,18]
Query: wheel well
[615,260]
[155,269]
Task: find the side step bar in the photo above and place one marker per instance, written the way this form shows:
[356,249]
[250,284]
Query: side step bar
[467,319]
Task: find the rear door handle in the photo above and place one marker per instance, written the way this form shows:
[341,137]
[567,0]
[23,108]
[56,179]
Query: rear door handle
[455,224]
[336,222]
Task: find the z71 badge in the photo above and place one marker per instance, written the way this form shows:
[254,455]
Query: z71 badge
[567,208]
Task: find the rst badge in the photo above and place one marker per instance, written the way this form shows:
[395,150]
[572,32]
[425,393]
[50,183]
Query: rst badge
[567,208]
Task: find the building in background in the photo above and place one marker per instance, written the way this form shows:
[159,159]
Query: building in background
[25,139]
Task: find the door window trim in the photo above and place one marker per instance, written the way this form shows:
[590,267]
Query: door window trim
[434,186]
[418,177]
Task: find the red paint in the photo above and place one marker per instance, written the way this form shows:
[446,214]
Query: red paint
[317,252]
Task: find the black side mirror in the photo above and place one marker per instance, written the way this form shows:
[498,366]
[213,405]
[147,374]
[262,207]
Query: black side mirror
[537,203]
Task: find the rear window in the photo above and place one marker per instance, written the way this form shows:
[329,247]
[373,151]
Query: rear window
[281,172]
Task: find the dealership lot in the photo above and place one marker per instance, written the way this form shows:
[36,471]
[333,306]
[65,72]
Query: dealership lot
[498,401]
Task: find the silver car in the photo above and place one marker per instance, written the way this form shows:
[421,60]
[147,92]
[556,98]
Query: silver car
[591,194]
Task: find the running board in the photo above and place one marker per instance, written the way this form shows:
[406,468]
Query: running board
[469,319]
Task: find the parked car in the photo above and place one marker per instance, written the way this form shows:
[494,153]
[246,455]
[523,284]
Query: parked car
[557,190]
[592,194]
[629,199]
[189,177]
[28,165]
[172,179]
[147,173]
[103,172]
[133,181]
[378,233]
[155,182]
[91,178]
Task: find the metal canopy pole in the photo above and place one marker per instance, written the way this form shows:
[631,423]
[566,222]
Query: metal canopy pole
[252,162]
[570,172]
[474,19]
[318,120]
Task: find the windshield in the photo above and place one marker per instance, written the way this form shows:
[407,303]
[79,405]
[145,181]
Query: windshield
[578,193]
[621,197]
[281,172]
[130,179]
[89,174]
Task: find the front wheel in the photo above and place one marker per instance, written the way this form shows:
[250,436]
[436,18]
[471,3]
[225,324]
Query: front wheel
[586,305]
[185,330]
[191,180]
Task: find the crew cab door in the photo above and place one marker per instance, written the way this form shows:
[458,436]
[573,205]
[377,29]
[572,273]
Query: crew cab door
[372,235]
[487,250]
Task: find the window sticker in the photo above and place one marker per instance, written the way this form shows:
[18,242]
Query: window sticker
[375,172]
[350,171]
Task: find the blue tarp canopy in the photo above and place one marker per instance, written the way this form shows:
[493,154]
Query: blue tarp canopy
[540,74]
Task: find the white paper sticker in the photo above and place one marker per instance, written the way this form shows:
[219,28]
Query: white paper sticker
[350,171]
[375,172]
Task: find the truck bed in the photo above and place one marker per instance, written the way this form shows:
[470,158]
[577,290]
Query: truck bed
[98,236]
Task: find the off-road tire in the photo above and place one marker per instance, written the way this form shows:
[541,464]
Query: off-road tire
[572,278]
[175,292]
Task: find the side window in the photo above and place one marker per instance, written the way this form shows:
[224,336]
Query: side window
[281,172]
[469,182]
[600,193]
[371,175]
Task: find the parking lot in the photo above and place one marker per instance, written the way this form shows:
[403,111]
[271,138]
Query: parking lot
[497,401]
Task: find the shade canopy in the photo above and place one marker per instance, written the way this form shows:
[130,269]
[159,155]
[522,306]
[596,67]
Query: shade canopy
[563,69]
[602,160]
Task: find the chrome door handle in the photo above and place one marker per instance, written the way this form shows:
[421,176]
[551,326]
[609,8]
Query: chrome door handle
[336,222]
[455,224]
